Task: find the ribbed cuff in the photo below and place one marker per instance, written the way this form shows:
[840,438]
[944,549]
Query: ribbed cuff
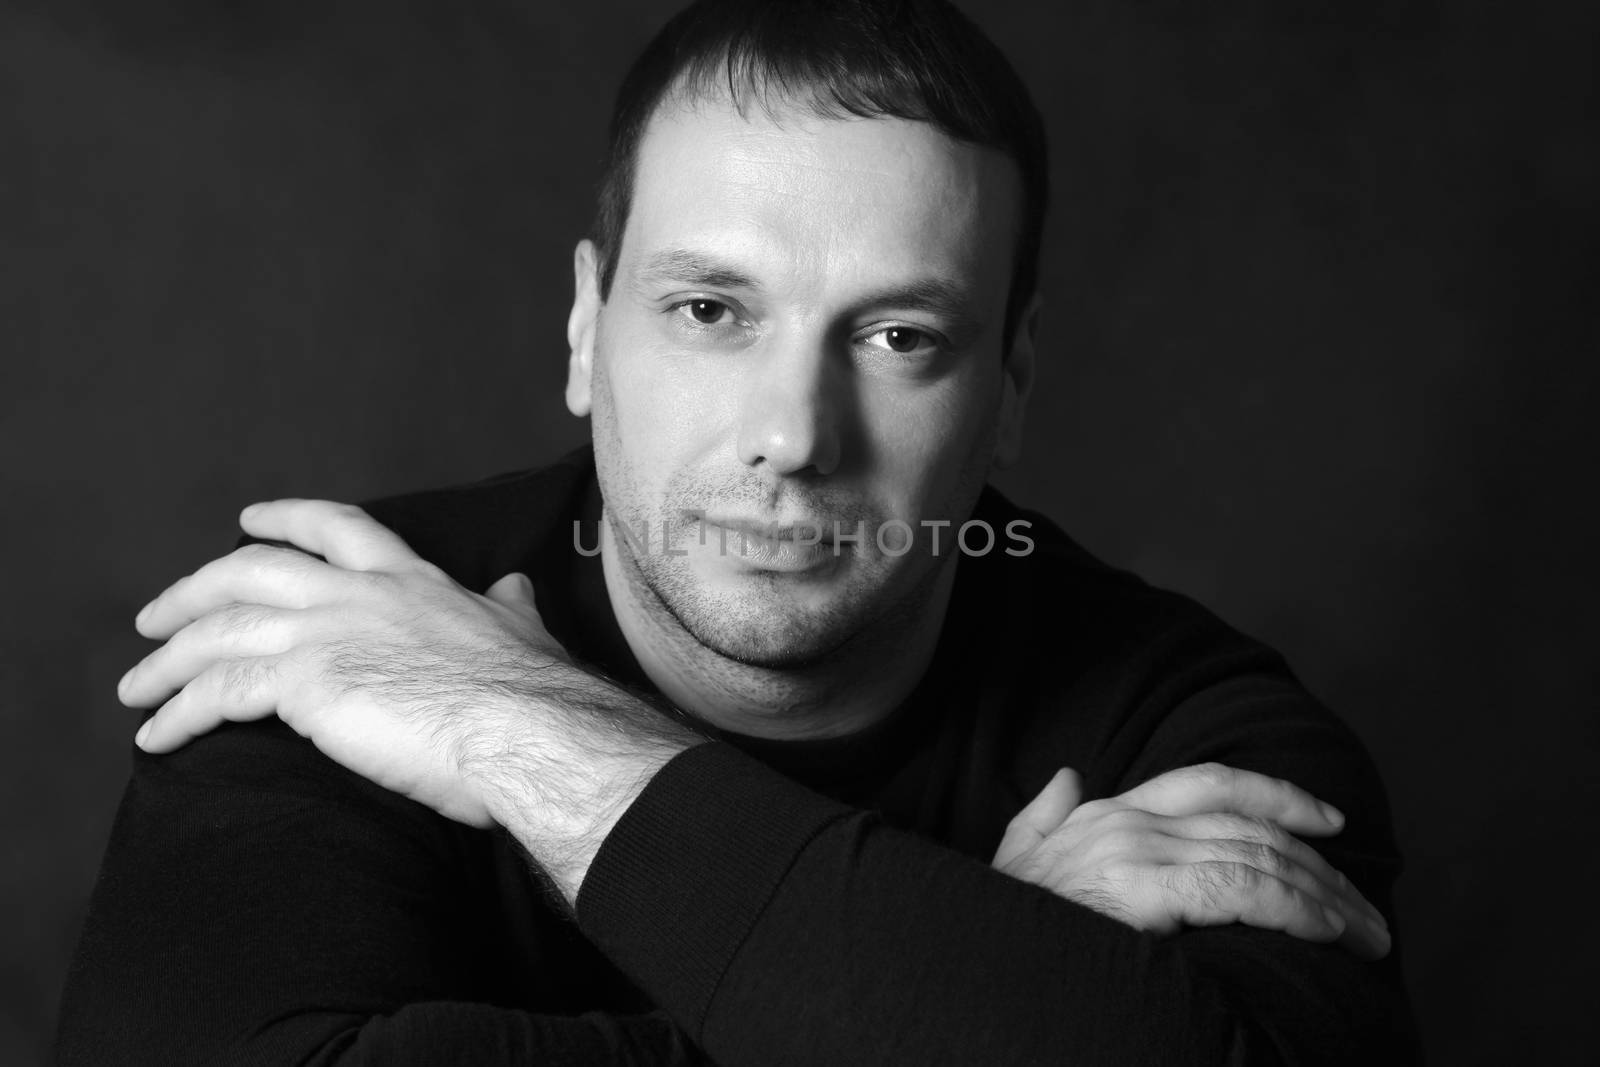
[684,875]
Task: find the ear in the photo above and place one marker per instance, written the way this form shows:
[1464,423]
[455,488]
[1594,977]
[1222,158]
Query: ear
[581,325]
[1017,383]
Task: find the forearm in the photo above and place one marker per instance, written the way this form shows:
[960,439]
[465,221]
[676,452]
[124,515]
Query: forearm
[259,905]
[422,1034]
[843,941]
[432,1033]
[565,757]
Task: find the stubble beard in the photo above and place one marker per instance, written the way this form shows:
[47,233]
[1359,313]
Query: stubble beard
[772,621]
[877,600]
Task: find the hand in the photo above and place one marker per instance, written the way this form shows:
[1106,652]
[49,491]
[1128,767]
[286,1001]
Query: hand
[1198,846]
[462,702]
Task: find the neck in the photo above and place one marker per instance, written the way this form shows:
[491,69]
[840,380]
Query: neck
[854,687]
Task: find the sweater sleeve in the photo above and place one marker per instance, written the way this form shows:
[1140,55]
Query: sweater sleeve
[259,905]
[779,927]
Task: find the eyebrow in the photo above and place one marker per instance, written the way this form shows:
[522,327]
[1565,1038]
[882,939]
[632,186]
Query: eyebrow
[697,269]
[936,296]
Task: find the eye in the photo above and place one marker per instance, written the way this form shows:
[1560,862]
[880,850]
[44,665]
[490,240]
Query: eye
[902,339]
[706,312]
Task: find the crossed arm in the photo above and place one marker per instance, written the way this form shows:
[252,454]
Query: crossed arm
[464,704]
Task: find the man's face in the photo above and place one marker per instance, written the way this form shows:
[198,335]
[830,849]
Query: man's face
[804,332]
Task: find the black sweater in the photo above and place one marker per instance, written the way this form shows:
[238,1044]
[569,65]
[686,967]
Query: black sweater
[761,903]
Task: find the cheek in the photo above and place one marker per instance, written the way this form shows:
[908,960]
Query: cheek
[936,441]
[658,406]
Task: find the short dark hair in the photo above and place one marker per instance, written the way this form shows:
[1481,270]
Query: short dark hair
[920,60]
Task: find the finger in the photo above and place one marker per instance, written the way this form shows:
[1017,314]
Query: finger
[342,534]
[236,690]
[1215,787]
[1042,815]
[1218,892]
[1261,833]
[254,574]
[230,632]
[514,591]
[1365,938]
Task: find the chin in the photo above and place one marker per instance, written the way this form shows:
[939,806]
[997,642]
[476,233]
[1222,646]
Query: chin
[766,625]
[773,653]
[774,637]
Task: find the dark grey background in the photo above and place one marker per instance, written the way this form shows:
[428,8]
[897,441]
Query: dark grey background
[1317,351]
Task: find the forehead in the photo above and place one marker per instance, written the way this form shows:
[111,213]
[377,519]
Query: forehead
[810,199]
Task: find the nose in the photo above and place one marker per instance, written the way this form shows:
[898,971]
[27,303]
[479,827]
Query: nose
[793,404]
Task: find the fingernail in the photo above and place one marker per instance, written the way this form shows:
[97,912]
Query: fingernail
[1335,920]
[249,510]
[137,619]
[144,732]
[1331,813]
[122,683]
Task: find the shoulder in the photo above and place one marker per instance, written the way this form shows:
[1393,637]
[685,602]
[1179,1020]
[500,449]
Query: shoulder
[480,531]
[1058,608]
[476,532]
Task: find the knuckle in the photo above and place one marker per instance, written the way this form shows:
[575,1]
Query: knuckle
[239,620]
[348,518]
[1124,818]
[191,640]
[1098,809]
[1272,833]
[1021,820]
[1212,883]
[1057,861]
[1117,878]
[1107,899]
[431,571]
[1120,842]
[345,665]
[1243,877]
[1282,786]
[236,678]
[182,642]
[1266,859]
[1251,828]
[262,562]
[1051,849]
[256,554]
[358,584]
[1290,906]
[1263,830]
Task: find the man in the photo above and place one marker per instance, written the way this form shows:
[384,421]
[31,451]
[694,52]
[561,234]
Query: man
[794,768]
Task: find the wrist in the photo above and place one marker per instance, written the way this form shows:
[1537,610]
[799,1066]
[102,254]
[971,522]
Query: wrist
[567,764]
